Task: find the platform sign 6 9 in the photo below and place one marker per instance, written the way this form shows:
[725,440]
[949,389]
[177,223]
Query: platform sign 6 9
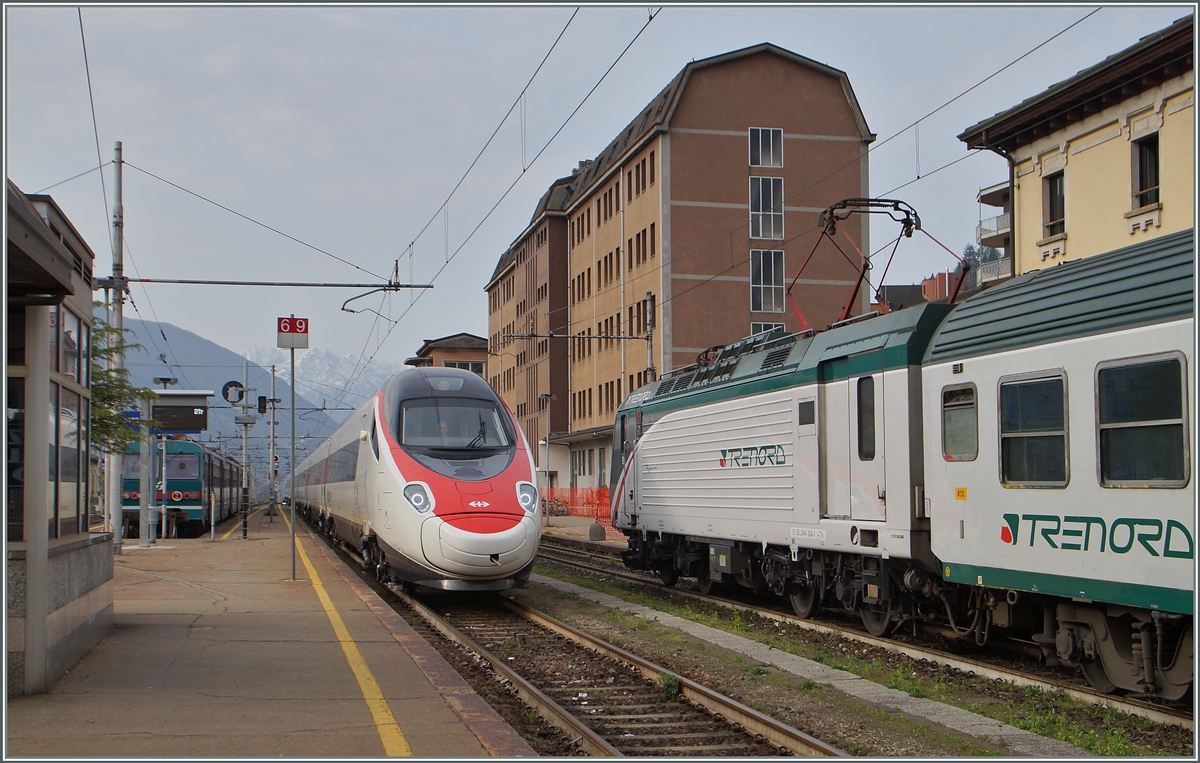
[292,332]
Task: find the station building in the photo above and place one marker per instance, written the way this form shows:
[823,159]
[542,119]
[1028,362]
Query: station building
[461,350]
[682,234]
[1100,161]
[58,573]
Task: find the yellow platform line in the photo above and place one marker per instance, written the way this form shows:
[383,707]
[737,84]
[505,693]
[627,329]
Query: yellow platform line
[238,525]
[394,743]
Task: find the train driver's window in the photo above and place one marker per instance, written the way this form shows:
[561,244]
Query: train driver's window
[183,466]
[374,441]
[960,424]
[866,418]
[1140,418]
[1033,433]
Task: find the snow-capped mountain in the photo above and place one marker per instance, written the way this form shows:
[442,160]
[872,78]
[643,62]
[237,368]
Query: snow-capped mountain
[323,375]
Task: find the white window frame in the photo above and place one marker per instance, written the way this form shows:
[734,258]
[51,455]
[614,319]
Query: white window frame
[770,295]
[761,327]
[774,146]
[766,207]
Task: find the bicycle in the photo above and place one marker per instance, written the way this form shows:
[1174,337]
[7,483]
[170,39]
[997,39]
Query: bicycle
[555,508]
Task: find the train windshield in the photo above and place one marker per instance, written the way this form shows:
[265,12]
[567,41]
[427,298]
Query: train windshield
[453,424]
[184,466]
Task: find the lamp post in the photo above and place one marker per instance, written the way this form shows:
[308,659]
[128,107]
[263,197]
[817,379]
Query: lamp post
[161,510]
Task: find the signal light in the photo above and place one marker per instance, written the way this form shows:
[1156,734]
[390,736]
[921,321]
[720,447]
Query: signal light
[262,403]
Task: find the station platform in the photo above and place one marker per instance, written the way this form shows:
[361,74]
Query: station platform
[217,652]
[581,530]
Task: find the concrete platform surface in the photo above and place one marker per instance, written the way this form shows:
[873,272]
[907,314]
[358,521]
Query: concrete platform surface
[217,652]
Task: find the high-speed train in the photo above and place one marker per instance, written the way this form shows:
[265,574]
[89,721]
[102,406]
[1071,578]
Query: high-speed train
[1019,463]
[432,481]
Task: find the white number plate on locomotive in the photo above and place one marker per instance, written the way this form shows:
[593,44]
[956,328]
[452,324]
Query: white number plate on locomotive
[805,533]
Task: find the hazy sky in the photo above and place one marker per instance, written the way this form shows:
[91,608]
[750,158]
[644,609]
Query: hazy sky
[348,128]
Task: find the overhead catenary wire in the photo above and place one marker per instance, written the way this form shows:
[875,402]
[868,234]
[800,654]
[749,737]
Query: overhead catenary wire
[520,100]
[444,208]
[852,162]
[95,127]
[256,222]
[503,196]
[77,176]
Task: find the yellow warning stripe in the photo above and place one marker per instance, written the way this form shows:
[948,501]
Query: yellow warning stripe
[238,525]
[394,743]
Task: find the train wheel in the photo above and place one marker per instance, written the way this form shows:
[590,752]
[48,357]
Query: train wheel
[668,574]
[875,622]
[1093,671]
[704,583]
[805,602]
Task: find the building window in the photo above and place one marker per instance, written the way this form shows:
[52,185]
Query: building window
[757,327]
[766,207]
[1140,414]
[766,147]
[1033,433]
[1145,171]
[15,429]
[1056,207]
[766,280]
[960,425]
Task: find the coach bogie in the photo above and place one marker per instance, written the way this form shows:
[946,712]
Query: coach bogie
[1127,649]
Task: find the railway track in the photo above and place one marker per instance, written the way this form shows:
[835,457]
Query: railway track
[567,554]
[608,701]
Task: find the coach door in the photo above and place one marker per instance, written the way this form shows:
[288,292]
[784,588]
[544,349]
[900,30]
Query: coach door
[379,502]
[853,433]
[867,488]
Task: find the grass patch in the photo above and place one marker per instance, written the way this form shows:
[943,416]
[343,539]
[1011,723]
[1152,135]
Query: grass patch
[1051,714]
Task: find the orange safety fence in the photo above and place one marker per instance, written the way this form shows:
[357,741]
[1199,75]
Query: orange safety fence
[591,502]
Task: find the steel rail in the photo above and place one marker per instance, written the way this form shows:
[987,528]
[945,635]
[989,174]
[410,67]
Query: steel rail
[1135,708]
[551,711]
[778,734]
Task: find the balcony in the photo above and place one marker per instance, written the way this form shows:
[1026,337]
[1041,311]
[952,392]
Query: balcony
[992,271]
[993,231]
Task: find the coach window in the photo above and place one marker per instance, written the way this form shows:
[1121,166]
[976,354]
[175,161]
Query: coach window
[960,424]
[866,418]
[1140,418]
[1033,433]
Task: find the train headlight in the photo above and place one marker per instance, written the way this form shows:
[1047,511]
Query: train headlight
[418,497]
[527,496]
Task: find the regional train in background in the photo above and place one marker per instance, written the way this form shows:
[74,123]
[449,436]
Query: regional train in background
[1017,463]
[432,481]
[203,485]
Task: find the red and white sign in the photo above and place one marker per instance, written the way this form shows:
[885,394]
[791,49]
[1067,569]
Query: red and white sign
[292,332]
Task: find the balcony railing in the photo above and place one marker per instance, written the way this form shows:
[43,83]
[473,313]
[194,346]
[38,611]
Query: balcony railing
[990,271]
[994,226]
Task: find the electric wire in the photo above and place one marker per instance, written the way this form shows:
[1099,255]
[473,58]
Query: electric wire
[153,312]
[81,174]
[504,119]
[520,98]
[519,177]
[831,173]
[256,222]
[95,128]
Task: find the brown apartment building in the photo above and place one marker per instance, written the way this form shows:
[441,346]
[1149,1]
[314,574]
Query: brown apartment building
[683,234]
